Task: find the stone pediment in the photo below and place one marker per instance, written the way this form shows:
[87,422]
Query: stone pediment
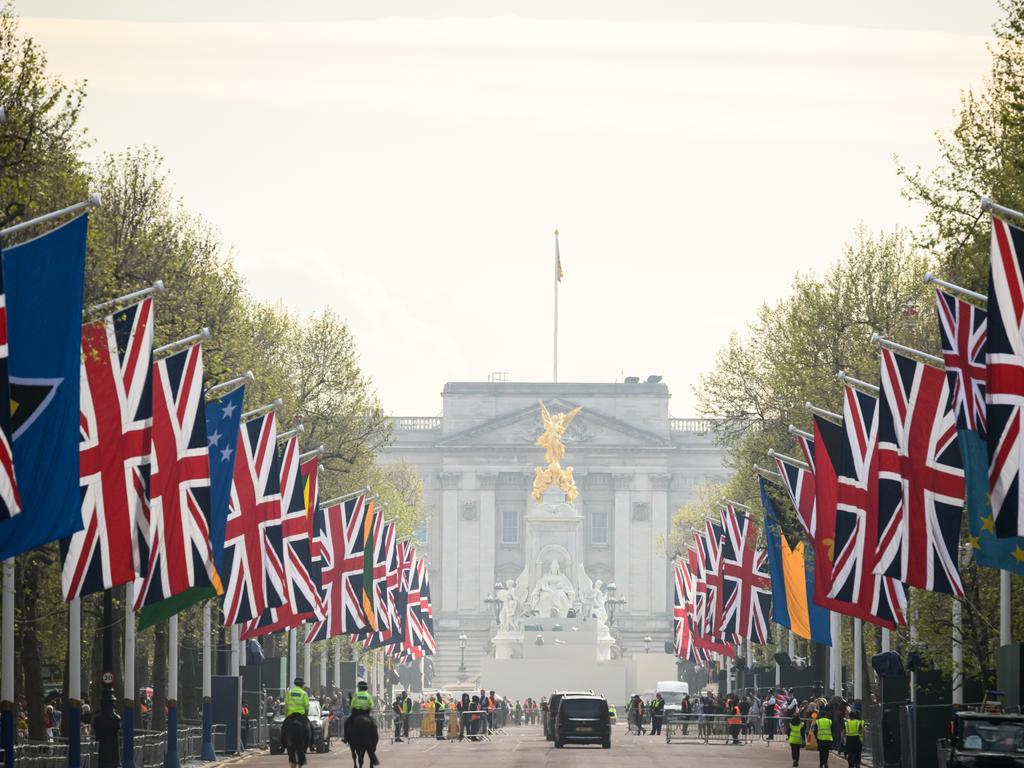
[522,427]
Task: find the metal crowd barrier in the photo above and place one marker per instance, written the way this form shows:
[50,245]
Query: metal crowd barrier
[706,729]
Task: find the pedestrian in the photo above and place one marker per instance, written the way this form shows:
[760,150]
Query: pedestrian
[797,731]
[770,716]
[657,714]
[438,717]
[406,712]
[735,719]
[396,708]
[823,733]
[854,738]
[517,715]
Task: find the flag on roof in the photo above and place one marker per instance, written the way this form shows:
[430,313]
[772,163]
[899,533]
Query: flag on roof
[44,365]
[114,452]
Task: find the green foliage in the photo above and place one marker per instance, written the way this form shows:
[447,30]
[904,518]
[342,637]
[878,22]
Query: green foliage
[143,232]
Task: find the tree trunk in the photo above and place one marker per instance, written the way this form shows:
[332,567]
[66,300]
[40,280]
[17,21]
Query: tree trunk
[160,653]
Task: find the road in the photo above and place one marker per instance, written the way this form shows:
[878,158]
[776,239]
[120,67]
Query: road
[526,748]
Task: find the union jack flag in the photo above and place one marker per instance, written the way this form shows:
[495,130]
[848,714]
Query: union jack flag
[1004,381]
[707,641]
[309,471]
[343,540]
[878,599]
[920,477]
[303,592]
[255,505]
[419,634]
[386,587]
[746,582]
[116,414]
[10,500]
[180,556]
[799,484]
[682,629]
[963,329]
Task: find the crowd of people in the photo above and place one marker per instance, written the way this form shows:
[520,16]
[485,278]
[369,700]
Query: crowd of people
[817,724]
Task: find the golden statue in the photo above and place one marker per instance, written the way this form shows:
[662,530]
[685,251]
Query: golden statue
[551,441]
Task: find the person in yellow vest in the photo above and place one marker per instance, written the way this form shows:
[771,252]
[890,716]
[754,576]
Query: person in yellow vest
[360,706]
[823,733]
[797,733]
[296,700]
[854,739]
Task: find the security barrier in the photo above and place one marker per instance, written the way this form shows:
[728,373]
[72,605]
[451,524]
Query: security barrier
[706,729]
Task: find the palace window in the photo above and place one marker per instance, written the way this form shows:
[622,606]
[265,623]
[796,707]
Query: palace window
[509,524]
[599,514]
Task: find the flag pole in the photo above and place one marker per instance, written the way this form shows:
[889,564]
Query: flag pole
[814,410]
[1000,210]
[206,751]
[171,755]
[800,433]
[7,666]
[863,386]
[953,288]
[310,454]
[558,267]
[75,683]
[773,454]
[129,298]
[128,702]
[94,200]
[174,346]
[219,390]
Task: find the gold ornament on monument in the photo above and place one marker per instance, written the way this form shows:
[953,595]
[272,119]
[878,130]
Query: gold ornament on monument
[551,441]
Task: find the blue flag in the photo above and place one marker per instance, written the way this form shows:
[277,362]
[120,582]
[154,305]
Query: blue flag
[988,549]
[223,418]
[43,279]
[792,581]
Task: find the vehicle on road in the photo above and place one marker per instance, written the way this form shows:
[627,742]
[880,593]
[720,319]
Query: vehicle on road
[583,719]
[983,738]
[672,692]
[553,701]
[319,720]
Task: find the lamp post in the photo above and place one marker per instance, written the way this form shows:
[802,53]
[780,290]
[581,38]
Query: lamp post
[647,643]
[462,658]
[612,603]
[495,603]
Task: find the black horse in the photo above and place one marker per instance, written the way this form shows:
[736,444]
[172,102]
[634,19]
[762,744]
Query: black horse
[296,734]
[362,740]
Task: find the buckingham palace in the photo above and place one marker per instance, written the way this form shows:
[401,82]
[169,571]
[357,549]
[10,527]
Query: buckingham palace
[634,466]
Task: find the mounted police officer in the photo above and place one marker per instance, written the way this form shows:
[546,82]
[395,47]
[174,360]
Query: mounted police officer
[360,706]
[297,700]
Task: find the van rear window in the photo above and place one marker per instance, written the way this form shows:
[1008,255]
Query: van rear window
[588,708]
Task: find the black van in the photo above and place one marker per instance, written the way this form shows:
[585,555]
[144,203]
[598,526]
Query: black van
[583,719]
[553,701]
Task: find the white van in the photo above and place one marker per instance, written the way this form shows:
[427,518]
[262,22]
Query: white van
[672,691]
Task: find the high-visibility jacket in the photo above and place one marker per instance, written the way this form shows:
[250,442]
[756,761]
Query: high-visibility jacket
[796,733]
[854,728]
[824,729]
[735,719]
[362,701]
[296,700]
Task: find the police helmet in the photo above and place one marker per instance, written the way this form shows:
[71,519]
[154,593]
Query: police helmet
[362,685]
[299,682]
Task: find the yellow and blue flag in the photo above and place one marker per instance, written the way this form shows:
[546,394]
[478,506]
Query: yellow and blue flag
[792,582]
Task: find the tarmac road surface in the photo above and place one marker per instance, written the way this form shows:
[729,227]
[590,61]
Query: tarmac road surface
[525,747]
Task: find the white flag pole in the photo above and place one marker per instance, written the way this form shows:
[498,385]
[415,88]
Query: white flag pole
[1005,615]
[206,750]
[128,704]
[171,753]
[307,660]
[75,683]
[7,707]
[337,664]
[858,660]
[293,663]
[94,200]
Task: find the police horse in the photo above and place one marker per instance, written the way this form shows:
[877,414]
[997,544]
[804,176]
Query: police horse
[362,740]
[296,735]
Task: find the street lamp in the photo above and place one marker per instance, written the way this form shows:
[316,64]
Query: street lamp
[494,602]
[612,604]
[462,658]
[647,643]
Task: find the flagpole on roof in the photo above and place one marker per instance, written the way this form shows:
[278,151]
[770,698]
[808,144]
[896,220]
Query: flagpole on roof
[999,210]
[954,289]
[129,298]
[94,200]
[814,410]
[225,387]
[773,454]
[250,415]
[188,341]
[860,384]
[932,360]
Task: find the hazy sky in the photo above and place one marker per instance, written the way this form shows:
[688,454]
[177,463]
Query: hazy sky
[406,162]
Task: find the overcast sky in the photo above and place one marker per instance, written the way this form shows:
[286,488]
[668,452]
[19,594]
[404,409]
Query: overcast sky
[406,162]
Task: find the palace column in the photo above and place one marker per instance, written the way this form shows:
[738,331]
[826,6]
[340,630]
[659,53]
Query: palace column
[448,556]
[487,482]
[659,527]
[621,533]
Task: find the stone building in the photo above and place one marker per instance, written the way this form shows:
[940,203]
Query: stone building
[634,465]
